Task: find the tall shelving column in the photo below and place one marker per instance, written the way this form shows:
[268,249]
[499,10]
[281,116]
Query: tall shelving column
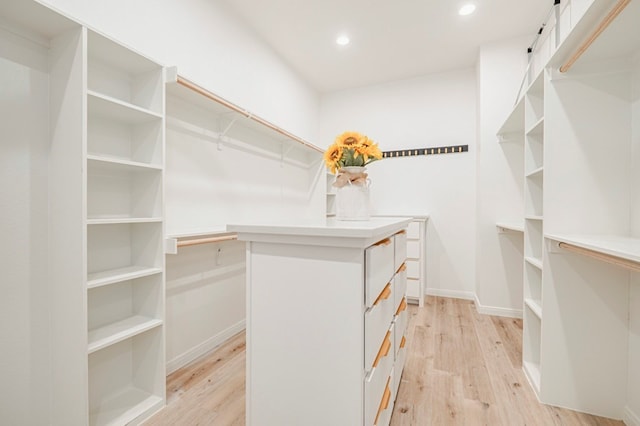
[533,229]
[124,233]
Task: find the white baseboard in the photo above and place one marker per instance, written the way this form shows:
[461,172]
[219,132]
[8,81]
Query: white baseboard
[204,347]
[455,294]
[496,311]
[630,418]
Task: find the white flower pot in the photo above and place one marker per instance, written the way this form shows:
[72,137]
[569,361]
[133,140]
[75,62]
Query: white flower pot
[352,200]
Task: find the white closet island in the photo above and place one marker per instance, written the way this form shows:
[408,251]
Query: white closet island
[326,316]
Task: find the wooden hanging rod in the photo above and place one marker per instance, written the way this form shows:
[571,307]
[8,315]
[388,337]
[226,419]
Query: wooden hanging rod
[212,96]
[617,9]
[625,263]
[197,241]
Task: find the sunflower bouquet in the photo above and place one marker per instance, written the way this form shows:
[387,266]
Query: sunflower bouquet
[351,149]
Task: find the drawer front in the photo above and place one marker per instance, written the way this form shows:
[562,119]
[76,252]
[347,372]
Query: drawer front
[376,381]
[385,408]
[413,268]
[398,368]
[400,285]
[377,321]
[413,288]
[413,230]
[378,268]
[400,325]
[400,249]
[413,249]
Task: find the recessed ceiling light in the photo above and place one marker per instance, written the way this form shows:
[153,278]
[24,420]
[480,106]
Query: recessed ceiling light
[342,40]
[467,9]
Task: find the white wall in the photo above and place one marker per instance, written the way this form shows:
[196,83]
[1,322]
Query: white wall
[500,183]
[211,46]
[429,111]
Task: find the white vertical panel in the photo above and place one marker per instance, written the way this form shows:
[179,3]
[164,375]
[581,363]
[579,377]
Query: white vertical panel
[24,305]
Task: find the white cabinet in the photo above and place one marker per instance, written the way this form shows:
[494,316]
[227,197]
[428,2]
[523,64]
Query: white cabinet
[326,322]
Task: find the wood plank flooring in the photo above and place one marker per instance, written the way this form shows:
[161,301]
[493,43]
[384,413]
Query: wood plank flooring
[462,368]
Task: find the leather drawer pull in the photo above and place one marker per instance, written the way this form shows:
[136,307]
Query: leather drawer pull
[403,342]
[404,231]
[384,294]
[384,349]
[384,242]
[402,267]
[403,306]
[384,403]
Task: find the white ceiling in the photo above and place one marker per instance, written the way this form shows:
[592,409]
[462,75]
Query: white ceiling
[390,39]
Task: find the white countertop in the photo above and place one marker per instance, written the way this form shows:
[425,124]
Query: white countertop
[314,231]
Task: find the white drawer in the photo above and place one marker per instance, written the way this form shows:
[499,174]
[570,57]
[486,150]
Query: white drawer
[398,368]
[385,407]
[413,269]
[400,249]
[400,285]
[378,268]
[413,249]
[400,325]
[377,379]
[413,230]
[377,321]
[413,288]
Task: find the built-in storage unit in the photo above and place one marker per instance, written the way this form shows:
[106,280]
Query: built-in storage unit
[417,259]
[338,357]
[125,245]
[104,159]
[582,233]
[533,228]
[331,195]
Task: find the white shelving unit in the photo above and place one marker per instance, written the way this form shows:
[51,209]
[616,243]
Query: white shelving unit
[125,245]
[580,139]
[331,195]
[533,228]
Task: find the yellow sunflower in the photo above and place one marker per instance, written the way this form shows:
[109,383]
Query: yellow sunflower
[332,156]
[349,139]
[367,148]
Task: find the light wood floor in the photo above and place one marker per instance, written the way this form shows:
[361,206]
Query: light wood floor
[462,368]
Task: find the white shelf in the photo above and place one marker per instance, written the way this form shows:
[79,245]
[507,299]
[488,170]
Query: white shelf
[331,194]
[98,279]
[532,217]
[536,128]
[113,163]
[515,121]
[510,226]
[535,173]
[533,261]
[107,106]
[122,220]
[535,306]
[532,371]
[118,331]
[614,245]
[124,407]
[618,39]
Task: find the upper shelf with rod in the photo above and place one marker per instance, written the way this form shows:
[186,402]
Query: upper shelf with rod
[608,30]
[237,124]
